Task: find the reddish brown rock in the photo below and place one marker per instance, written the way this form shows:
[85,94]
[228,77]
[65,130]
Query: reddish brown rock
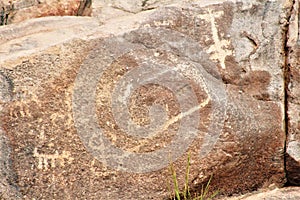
[102,111]
[20,10]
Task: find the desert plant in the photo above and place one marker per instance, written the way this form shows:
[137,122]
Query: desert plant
[177,194]
[204,192]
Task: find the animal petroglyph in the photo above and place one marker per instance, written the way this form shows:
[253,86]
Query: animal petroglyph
[20,104]
[51,160]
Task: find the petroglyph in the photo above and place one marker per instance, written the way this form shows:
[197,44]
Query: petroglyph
[173,75]
[20,105]
[163,23]
[51,160]
[219,50]
[20,110]
[184,114]
[180,81]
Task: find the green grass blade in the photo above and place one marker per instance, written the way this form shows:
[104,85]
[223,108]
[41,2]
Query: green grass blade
[213,195]
[207,187]
[186,192]
[176,187]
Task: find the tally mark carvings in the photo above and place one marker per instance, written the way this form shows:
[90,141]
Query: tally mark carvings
[44,160]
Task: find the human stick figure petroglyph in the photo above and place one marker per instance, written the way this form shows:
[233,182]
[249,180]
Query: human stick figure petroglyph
[219,50]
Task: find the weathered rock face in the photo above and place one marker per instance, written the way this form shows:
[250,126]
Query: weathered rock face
[293,101]
[102,111]
[291,193]
[20,10]
[136,6]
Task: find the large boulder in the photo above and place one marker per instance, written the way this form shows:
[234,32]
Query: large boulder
[99,110]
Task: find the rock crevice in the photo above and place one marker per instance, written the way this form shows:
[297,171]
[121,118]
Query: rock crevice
[292,110]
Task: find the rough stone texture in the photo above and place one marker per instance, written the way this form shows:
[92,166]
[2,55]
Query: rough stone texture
[291,193]
[22,40]
[20,10]
[293,101]
[135,6]
[108,9]
[205,78]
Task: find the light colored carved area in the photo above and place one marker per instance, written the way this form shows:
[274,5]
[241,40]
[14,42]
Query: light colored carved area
[20,105]
[171,121]
[163,23]
[219,50]
[52,160]
[184,114]
[20,110]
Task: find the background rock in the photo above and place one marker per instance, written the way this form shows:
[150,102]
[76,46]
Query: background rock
[20,10]
[227,56]
[291,193]
[140,5]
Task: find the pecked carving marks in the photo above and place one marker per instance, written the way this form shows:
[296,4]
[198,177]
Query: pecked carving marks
[163,68]
[208,26]
[219,50]
[46,160]
[44,139]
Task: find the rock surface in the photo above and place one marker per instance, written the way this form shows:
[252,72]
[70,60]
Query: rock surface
[291,193]
[135,6]
[20,10]
[101,110]
[293,101]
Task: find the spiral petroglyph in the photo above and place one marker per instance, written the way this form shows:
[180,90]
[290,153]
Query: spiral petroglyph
[141,99]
